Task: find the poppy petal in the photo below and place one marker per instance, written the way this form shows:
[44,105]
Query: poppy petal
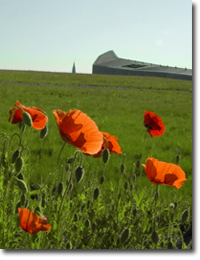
[79,130]
[30,221]
[153,123]
[164,173]
[39,119]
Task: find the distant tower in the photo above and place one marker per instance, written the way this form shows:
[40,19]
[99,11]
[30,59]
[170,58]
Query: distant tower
[74,68]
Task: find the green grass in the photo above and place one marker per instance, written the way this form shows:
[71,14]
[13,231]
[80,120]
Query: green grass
[120,113]
[95,80]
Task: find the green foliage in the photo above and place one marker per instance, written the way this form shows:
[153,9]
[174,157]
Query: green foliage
[114,206]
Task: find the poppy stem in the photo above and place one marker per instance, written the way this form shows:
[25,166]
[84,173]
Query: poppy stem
[155,199]
[61,152]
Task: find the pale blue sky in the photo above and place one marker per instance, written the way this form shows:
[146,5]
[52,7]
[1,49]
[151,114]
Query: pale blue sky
[49,35]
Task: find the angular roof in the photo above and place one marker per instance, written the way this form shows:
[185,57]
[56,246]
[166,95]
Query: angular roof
[110,59]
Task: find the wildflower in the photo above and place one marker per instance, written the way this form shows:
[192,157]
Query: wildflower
[79,130]
[39,119]
[112,145]
[30,221]
[153,123]
[164,173]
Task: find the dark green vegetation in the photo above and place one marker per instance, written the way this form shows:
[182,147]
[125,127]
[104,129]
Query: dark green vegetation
[109,207]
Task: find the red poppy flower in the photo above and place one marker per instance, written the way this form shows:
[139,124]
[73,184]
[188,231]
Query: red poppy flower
[39,119]
[112,143]
[164,173]
[30,221]
[153,123]
[79,130]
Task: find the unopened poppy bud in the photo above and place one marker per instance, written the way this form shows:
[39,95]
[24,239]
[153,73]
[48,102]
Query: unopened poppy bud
[124,236]
[15,155]
[18,205]
[155,237]
[184,216]
[138,164]
[71,186]
[60,188]
[101,180]
[27,119]
[22,185]
[43,132]
[87,223]
[122,168]
[172,206]
[71,160]
[20,176]
[79,172]
[105,155]
[134,211]
[96,194]
[76,217]
[69,245]
[18,164]
[134,177]
[175,204]
[126,185]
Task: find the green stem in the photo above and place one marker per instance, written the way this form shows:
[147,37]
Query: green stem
[61,152]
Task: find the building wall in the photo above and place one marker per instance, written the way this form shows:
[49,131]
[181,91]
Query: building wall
[100,69]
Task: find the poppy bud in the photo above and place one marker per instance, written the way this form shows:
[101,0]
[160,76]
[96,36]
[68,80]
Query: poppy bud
[138,164]
[124,236]
[134,177]
[87,223]
[69,245]
[60,188]
[15,155]
[101,180]
[43,132]
[18,205]
[22,185]
[20,176]
[184,216]
[122,168]
[96,194]
[154,237]
[79,172]
[105,155]
[172,206]
[126,185]
[70,186]
[27,119]
[71,160]
[75,217]
[134,211]
[18,164]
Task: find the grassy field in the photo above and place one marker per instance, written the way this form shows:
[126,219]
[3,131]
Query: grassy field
[124,206]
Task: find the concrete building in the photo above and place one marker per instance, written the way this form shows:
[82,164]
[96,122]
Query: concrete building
[110,63]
